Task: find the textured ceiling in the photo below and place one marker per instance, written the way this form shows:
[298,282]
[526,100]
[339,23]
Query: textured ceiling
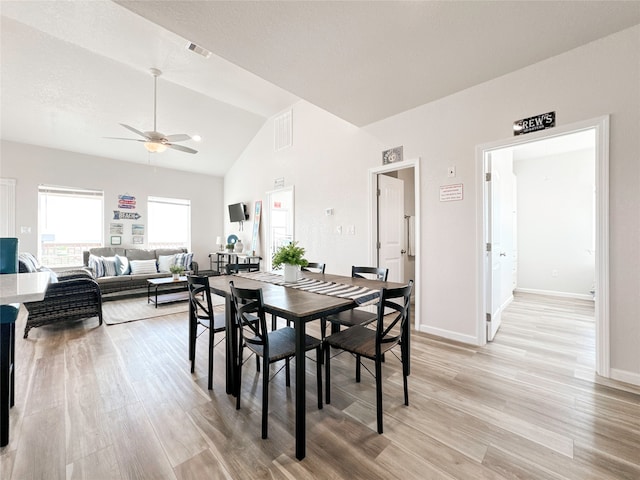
[71,71]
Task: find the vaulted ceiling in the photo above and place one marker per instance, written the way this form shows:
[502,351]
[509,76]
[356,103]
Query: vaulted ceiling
[73,71]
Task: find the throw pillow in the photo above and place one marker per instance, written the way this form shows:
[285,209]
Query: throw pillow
[110,269]
[122,265]
[143,267]
[96,265]
[184,260]
[29,261]
[164,262]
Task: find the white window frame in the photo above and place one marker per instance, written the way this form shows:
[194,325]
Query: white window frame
[153,200]
[74,256]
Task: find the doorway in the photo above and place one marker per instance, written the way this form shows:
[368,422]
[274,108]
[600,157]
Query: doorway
[279,221]
[397,246]
[492,298]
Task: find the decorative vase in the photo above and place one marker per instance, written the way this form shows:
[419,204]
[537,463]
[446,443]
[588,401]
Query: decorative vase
[291,273]
[238,247]
[176,276]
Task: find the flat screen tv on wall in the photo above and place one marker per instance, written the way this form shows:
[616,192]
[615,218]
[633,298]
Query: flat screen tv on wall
[238,212]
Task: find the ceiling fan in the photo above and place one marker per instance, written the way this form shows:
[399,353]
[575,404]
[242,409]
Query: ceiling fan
[154,141]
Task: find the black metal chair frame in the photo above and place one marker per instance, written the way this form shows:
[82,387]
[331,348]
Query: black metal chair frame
[269,346]
[242,267]
[360,339]
[201,312]
[312,266]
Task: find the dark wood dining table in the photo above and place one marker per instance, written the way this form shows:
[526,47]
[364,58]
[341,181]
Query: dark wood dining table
[299,307]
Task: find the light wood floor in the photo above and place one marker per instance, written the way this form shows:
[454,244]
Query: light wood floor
[118,402]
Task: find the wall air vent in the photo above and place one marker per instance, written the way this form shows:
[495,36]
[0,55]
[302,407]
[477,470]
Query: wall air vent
[198,49]
[282,132]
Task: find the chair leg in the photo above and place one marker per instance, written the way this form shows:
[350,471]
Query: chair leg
[211,344]
[327,375]
[319,374]
[287,371]
[379,392]
[358,368]
[238,378]
[265,396]
[274,321]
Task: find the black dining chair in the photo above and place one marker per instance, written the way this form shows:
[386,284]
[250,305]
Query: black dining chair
[356,316]
[314,267]
[202,317]
[270,346]
[365,342]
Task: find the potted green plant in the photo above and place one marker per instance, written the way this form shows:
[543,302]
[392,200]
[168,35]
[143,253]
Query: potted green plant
[291,257]
[176,270]
[229,247]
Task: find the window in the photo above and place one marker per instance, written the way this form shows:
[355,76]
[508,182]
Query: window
[169,223]
[70,220]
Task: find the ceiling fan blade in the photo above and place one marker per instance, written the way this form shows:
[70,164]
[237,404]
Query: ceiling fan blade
[142,134]
[178,137]
[181,148]
[120,138]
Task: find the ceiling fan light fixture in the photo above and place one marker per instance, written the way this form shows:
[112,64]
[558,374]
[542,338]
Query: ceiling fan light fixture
[155,147]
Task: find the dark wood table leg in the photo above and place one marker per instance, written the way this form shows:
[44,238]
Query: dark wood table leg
[5,381]
[300,326]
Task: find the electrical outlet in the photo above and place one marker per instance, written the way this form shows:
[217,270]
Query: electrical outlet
[351,230]
[451,172]
[554,273]
[339,229]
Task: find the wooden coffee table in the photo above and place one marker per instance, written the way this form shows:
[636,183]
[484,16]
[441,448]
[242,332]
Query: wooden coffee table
[154,290]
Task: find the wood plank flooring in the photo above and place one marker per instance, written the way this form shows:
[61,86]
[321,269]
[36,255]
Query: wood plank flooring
[119,402]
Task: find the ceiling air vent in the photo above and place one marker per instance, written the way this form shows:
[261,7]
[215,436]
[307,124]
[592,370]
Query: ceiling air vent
[198,49]
[282,132]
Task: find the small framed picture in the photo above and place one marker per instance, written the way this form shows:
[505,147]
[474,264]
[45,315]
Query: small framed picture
[138,239]
[392,155]
[116,240]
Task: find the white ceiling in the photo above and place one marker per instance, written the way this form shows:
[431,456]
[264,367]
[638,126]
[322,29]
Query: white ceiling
[72,71]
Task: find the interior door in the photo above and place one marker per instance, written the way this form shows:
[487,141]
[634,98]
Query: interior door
[391,249]
[500,252]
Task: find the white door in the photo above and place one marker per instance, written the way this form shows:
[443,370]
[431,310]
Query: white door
[391,223]
[500,251]
[279,216]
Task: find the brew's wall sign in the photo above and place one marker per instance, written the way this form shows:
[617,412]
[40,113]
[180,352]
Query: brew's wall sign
[533,124]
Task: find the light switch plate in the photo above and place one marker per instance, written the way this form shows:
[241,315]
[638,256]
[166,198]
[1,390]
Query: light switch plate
[451,172]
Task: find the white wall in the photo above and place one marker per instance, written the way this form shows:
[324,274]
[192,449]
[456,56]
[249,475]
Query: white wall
[329,162]
[556,223]
[32,166]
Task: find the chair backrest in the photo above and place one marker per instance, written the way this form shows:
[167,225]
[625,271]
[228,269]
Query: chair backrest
[200,297]
[387,321]
[314,267]
[379,273]
[8,255]
[248,304]
[242,267]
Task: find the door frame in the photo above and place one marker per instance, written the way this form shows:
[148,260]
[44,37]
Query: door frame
[601,127]
[373,221]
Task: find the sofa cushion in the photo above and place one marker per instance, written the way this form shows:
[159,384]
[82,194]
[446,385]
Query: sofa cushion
[106,251]
[143,266]
[122,265]
[140,254]
[169,251]
[164,262]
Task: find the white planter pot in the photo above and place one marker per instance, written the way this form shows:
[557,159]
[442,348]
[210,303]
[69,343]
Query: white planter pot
[176,276]
[291,273]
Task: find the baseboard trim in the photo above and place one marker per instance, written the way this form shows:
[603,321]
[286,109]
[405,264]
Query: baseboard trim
[577,296]
[625,376]
[450,335]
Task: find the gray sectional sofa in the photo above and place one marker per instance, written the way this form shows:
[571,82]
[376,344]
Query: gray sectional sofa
[110,284]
